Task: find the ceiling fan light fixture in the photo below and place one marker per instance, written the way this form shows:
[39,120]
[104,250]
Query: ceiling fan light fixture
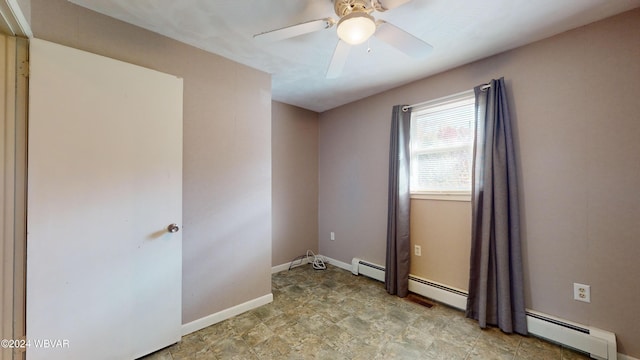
[356,28]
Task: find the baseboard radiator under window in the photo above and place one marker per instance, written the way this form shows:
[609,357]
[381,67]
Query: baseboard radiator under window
[598,343]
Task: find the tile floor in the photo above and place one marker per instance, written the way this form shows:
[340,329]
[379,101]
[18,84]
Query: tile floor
[332,314]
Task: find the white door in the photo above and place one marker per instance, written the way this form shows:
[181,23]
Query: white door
[104,183]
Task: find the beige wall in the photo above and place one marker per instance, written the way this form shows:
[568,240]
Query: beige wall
[227,153]
[294,151]
[442,229]
[574,100]
[353,163]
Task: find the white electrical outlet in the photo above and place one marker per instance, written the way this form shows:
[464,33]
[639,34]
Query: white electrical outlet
[417,250]
[333,236]
[582,292]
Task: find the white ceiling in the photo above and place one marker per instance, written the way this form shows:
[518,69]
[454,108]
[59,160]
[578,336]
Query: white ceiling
[461,31]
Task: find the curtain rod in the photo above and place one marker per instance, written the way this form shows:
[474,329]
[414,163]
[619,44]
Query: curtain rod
[406,108]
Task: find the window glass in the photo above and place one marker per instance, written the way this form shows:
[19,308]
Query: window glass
[442,134]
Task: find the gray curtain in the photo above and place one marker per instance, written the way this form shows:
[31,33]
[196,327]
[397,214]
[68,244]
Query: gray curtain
[396,276]
[496,291]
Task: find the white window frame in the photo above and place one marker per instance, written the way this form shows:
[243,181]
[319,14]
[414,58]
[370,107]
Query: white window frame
[444,102]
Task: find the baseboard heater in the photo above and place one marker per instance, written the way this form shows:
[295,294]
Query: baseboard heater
[598,343]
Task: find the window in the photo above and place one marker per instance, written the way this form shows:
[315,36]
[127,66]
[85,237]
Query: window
[442,134]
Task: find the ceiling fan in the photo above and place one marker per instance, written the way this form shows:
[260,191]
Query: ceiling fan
[355,26]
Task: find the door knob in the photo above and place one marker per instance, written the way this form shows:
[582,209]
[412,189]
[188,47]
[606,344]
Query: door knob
[173,228]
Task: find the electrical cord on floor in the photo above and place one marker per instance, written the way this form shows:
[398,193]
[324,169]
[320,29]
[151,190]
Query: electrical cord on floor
[297,258]
[318,263]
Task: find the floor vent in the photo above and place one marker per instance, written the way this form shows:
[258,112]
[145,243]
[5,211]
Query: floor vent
[598,343]
[420,300]
[445,294]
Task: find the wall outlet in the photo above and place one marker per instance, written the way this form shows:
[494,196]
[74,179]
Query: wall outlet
[417,250]
[582,292]
[332,236]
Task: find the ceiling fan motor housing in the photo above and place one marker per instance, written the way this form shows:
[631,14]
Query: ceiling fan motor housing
[346,7]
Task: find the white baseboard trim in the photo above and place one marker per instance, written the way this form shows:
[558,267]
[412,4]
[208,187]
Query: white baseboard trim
[225,314]
[281,267]
[445,294]
[338,263]
[285,266]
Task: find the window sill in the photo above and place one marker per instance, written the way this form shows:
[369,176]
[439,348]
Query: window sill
[444,197]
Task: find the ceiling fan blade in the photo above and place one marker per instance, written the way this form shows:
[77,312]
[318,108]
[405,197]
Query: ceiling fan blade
[295,30]
[384,5]
[338,60]
[402,40]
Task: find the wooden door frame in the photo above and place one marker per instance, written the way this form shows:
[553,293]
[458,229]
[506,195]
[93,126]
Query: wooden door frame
[15,30]
[13,171]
